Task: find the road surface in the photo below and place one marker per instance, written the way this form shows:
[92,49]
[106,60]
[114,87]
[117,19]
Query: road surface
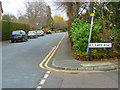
[20,61]
[20,67]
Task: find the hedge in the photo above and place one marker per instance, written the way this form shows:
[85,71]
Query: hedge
[80,33]
[8,27]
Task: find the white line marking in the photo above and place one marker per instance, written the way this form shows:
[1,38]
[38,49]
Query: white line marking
[46,76]
[39,87]
[48,72]
[42,81]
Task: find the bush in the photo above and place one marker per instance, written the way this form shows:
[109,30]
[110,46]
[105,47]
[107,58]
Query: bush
[79,34]
[8,27]
[114,36]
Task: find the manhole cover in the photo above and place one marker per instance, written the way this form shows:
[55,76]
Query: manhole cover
[73,73]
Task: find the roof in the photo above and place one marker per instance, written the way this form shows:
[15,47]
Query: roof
[1,6]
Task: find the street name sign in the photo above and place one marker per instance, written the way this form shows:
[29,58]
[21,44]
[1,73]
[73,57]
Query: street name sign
[100,45]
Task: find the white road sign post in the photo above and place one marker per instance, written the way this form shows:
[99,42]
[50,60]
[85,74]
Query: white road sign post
[90,30]
[100,45]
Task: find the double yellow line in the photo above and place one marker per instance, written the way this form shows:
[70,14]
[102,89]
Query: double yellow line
[44,63]
[41,64]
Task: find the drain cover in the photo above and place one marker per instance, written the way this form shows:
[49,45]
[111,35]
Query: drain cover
[73,73]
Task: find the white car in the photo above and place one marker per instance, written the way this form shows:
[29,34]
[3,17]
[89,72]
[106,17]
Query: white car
[32,34]
[40,33]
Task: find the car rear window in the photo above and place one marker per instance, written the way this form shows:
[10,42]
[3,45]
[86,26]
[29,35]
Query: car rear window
[16,32]
[39,31]
[31,32]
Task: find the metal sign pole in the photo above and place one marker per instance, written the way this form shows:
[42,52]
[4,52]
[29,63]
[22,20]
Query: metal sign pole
[90,33]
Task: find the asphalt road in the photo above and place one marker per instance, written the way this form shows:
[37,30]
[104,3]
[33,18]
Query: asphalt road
[20,67]
[96,81]
[20,61]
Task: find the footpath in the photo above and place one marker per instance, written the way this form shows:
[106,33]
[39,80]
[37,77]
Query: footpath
[64,60]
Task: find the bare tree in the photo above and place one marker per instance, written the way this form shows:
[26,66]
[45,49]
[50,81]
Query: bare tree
[37,13]
[73,10]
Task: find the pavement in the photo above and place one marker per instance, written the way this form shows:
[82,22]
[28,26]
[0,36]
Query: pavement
[64,60]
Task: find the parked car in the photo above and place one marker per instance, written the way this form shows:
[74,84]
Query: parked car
[32,34]
[18,35]
[40,33]
[49,32]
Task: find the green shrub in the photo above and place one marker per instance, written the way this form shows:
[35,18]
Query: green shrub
[80,33]
[114,36]
[8,27]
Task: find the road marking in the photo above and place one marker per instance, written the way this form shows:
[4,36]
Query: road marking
[46,76]
[76,71]
[46,63]
[41,64]
[61,41]
[43,80]
[39,87]
[70,71]
[48,72]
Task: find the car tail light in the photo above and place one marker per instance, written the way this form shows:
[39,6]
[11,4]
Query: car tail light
[21,35]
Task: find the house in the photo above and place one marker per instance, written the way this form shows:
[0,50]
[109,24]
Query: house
[1,10]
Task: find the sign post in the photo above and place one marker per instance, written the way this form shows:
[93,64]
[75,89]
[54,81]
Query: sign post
[100,45]
[92,14]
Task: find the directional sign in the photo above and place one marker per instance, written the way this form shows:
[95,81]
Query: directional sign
[100,45]
[92,14]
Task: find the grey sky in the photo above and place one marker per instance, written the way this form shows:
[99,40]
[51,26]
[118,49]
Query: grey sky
[12,6]
[16,6]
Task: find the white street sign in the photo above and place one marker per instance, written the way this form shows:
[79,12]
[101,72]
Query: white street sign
[100,45]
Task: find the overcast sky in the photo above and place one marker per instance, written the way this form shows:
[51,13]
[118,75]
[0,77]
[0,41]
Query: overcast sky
[12,6]
[16,6]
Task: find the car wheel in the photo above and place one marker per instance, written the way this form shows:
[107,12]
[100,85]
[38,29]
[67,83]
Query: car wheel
[23,39]
[12,41]
[26,39]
